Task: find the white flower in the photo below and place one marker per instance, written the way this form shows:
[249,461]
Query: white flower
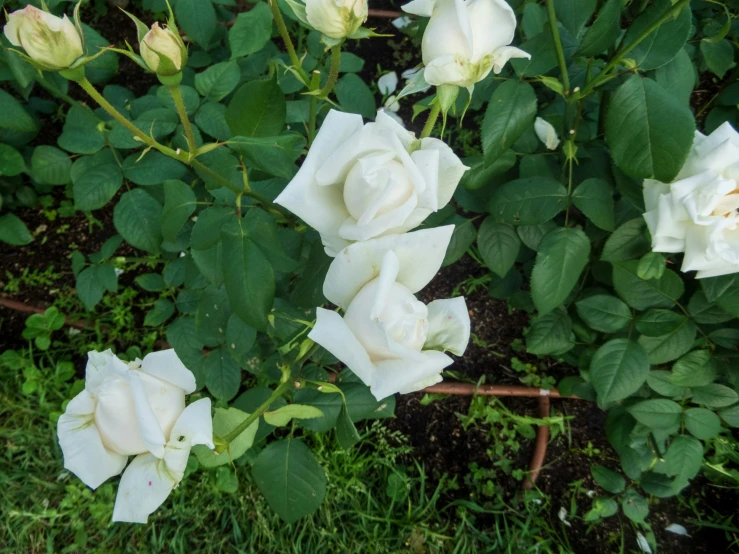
[562,515]
[388,83]
[362,181]
[643,544]
[52,42]
[161,43]
[677,529]
[134,409]
[465,39]
[388,338]
[336,18]
[546,133]
[401,22]
[698,213]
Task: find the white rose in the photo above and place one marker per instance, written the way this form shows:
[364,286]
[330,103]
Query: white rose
[336,18]
[464,40]
[698,213]
[134,409]
[388,338]
[362,181]
[162,42]
[546,133]
[52,42]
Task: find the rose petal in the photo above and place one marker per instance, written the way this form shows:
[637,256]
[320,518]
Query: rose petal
[144,487]
[405,376]
[388,83]
[101,366]
[424,8]
[449,325]
[167,366]
[82,447]
[505,53]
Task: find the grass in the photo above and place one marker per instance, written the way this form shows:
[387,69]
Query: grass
[379,500]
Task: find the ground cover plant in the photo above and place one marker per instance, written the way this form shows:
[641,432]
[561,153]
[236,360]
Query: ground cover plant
[247,262]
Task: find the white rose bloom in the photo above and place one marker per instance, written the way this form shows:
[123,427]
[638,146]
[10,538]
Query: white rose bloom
[388,338]
[362,181]
[546,133]
[698,213]
[134,409]
[52,42]
[161,41]
[465,39]
[336,18]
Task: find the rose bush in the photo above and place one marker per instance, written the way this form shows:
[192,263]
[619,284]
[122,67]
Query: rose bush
[465,40]
[360,181]
[135,409]
[698,213]
[388,338]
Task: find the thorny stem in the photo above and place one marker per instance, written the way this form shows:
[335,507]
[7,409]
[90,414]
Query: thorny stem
[179,104]
[431,121]
[280,22]
[334,75]
[278,392]
[315,81]
[558,47]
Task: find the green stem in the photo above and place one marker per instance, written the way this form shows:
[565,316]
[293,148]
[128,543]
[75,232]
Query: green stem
[569,191]
[604,76]
[266,202]
[314,83]
[277,16]
[278,392]
[333,76]
[179,104]
[558,47]
[63,96]
[431,121]
[115,114]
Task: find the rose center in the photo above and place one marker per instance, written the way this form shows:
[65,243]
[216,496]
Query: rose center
[375,186]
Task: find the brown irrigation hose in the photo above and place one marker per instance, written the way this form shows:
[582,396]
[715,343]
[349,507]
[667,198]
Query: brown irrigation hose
[448,387]
[540,448]
[389,14]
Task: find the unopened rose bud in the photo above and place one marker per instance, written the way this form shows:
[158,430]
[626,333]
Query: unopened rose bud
[336,18]
[52,42]
[163,51]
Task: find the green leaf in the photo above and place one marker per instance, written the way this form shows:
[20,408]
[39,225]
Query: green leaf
[550,334]
[355,96]
[695,369]
[11,161]
[107,277]
[13,231]
[677,77]
[152,169]
[531,235]
[660,382]
[661,45]
[479,175]
[604,31]
[15,118]
[705,312]
[563,254]
[240,339]
[727,338]
[671,346]
[329,404]
[628,242]
[198,19]
[257,109]
[290,479]
[640,294]
[211,119]
[207,229]
[462,238]
[346,432]
[499,245]
[651,266]
[618,369]
[609,480]
[161,311]
[574,14]
[96,180]
[657,413]
[715,396]
[604,313]
[217,82]
[594,197]
[251,31]
[511,111]
[724,291]
[225,421]
[282,416]
[683,459]
[51,166]
[731,416]
[529,201]
[703,424]
[273,155]
[81,133]
[249,277]
[222,374]
[89,288]
[719,56]
[656,323]
[649,132]
[152,282]
[179,204]
[635,506]
[137,218]
[657,484]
